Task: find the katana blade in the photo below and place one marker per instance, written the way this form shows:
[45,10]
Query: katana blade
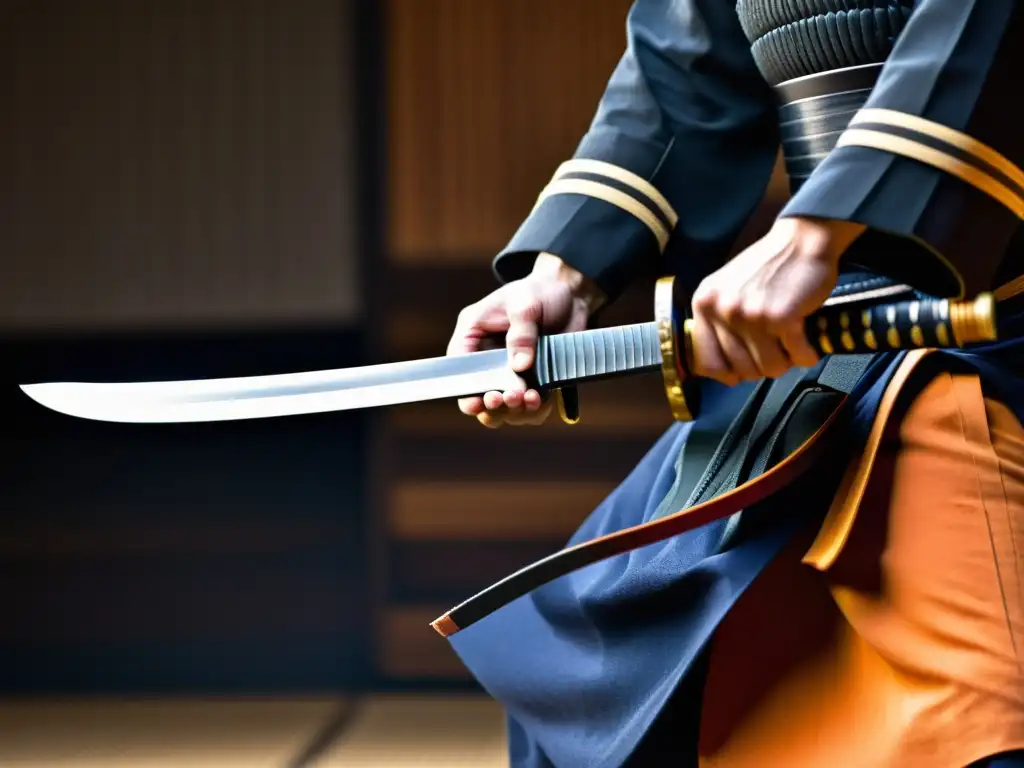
[561,360]
[289,394]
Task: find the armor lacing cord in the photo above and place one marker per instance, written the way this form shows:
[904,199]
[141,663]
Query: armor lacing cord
[794,38]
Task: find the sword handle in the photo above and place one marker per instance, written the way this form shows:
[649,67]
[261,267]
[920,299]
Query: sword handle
[934,323]
[568,358]
[853,329]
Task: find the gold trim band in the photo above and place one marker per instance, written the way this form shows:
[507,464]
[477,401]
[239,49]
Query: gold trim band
[664,314]
[623,176]
[610,195]
[961,141]
[898,145]
[1010,289]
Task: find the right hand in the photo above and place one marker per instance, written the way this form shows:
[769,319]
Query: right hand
[554,298]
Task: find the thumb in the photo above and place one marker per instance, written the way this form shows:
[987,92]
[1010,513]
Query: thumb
[524,309]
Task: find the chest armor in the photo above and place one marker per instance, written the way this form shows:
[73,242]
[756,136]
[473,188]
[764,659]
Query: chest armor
[822,57]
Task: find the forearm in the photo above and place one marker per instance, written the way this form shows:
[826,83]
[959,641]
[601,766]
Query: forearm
[931,164]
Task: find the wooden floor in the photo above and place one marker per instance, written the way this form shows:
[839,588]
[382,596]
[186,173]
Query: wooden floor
[377,732]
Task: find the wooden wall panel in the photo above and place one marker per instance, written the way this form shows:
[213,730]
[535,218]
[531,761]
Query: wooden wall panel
[411,649]
[177,163]
[181,166]
[485,99]
[510,511]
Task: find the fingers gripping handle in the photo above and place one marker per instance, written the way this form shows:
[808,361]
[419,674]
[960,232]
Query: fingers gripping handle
[850,330]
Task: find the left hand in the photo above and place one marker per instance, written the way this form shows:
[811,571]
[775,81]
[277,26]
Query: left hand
[749,315]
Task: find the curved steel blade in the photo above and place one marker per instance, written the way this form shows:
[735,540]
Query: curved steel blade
[289,394]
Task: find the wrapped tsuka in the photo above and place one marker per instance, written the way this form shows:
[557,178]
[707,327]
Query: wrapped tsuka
[853,328]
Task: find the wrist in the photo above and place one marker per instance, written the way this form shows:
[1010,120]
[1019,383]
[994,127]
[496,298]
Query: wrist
[549,267]
[823,238]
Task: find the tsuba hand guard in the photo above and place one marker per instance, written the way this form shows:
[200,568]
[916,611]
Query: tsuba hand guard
[672,315]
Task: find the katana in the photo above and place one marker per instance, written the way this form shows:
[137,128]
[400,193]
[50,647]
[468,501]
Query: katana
[562,361]
[862,324]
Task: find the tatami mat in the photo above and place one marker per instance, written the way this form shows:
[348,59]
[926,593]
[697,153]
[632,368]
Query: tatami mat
[377,732]
[421,732]
[160,733]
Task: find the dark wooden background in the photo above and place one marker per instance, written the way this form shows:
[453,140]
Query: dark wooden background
[178,199]
[317,184]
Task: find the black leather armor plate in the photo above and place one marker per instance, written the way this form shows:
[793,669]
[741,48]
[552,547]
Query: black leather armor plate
[794,38]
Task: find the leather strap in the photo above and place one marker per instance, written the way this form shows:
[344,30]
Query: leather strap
[795,406]
[726,471]
[831,538]
[573,558]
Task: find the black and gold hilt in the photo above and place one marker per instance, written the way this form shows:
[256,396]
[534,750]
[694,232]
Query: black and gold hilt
[851,329]
[566,359]
[934,323]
